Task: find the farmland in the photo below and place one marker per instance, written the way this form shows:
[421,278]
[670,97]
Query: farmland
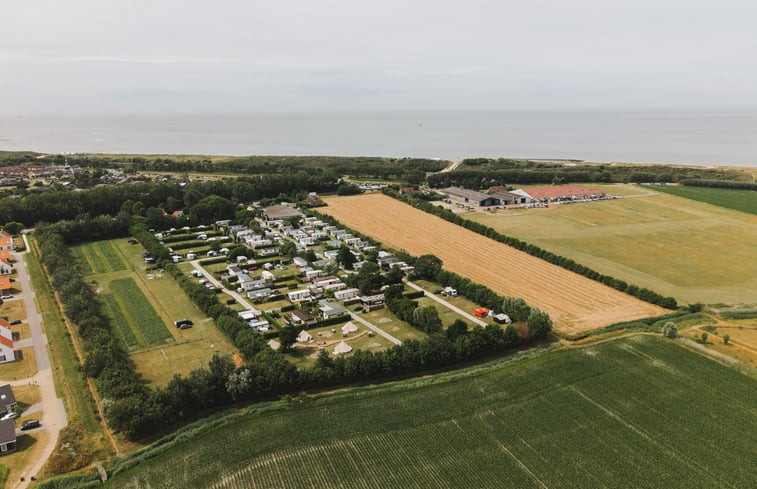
[740,200]
[142,305]
[575,303]
[633,412]
[677,247]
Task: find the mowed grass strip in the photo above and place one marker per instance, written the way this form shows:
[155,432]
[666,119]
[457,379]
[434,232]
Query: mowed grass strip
[113,257]
[141,311]
[120,322]
[98,262]
[739,200]
[631,412]
[81,260]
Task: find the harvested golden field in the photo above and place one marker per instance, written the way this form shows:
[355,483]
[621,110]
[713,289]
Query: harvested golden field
[574,302]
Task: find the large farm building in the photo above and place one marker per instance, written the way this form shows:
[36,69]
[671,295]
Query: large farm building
[499,196]
[561,193]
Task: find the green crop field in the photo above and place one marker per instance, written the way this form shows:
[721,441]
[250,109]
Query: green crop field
[137,306]
[97,262]
[122,324]
[690,250]
[81,261]
[740,200]
[634,412]
[111,255]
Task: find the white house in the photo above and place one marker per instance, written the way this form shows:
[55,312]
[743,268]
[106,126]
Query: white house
[7,354]
[299,295]
[346,294]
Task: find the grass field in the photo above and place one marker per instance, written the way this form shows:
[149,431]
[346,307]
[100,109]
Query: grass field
[139,309]
[634,412]
[740,200]
[574,302]
[690,250]
[143,305]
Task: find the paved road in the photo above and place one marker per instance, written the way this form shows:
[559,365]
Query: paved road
[242,300]
[447,304]
[54,418]
[375,328]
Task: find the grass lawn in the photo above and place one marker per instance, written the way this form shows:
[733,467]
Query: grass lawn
[447,315]
[134,305]
[633,412]
[29,448]
[459,301]
[692,251]
[24,366]
[385,320]
[740,200]
[13,310]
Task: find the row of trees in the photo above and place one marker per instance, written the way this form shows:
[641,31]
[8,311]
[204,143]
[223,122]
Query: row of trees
[484,172]
[720,184]
[561,261]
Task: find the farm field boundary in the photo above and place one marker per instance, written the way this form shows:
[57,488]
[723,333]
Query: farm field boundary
[549,420]
[575,303]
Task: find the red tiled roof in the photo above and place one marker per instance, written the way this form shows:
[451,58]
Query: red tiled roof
[5,283]
[5,324]
[555,191]
[5,341]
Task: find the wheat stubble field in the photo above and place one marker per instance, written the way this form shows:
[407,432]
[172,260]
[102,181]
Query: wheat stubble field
[575,303]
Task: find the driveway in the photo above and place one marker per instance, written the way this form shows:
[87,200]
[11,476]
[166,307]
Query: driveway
[446,304]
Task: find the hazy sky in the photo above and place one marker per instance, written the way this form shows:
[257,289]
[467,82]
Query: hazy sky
[136,56]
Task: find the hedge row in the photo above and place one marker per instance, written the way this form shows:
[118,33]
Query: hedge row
[720,184]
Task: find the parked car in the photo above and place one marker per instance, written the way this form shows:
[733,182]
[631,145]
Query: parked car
[12,279]
[10,415]
[181,322]
[185,326]
[15,321]
[6,297]
[30,424]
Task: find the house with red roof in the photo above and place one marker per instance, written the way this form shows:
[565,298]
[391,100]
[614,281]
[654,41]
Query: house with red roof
[7,354]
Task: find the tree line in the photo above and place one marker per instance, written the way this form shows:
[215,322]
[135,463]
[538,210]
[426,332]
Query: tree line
[561,261]
[480,173]
[719,184]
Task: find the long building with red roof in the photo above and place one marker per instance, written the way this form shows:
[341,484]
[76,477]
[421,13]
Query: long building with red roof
[7,354]
[556,193]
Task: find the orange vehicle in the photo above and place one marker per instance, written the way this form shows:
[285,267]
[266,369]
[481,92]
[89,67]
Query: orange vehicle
[481,312]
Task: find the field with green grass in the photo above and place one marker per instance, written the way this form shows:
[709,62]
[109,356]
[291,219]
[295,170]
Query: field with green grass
[740,200]
[633,412]
[690,250]
[143,304]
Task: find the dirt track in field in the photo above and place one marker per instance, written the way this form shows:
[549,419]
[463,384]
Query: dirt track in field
[574,302]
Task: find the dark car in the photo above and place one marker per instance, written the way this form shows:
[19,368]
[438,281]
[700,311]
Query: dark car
[15,321]
[184,326]
[30,424]
[183,322]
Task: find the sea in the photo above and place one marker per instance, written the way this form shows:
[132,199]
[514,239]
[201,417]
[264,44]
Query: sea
[691,137]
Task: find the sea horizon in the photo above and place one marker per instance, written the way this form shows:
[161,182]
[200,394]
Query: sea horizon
[700,137]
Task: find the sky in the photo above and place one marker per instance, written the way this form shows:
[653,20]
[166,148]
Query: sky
[168,56]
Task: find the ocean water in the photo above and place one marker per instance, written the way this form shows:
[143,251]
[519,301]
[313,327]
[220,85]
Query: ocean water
[684,137]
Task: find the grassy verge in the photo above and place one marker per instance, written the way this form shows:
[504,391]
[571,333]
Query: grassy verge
[84,421]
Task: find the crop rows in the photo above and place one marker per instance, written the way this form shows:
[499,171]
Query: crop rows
[81,260]
[633,412]
[99,264]
[574,302]
[111,255]
[141,311]
[740,200]
[120,322]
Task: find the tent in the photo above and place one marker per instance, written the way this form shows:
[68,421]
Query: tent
[342,348]
[304,337]
[349,328]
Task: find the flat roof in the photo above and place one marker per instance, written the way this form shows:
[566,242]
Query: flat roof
[466,193]
[281,212]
